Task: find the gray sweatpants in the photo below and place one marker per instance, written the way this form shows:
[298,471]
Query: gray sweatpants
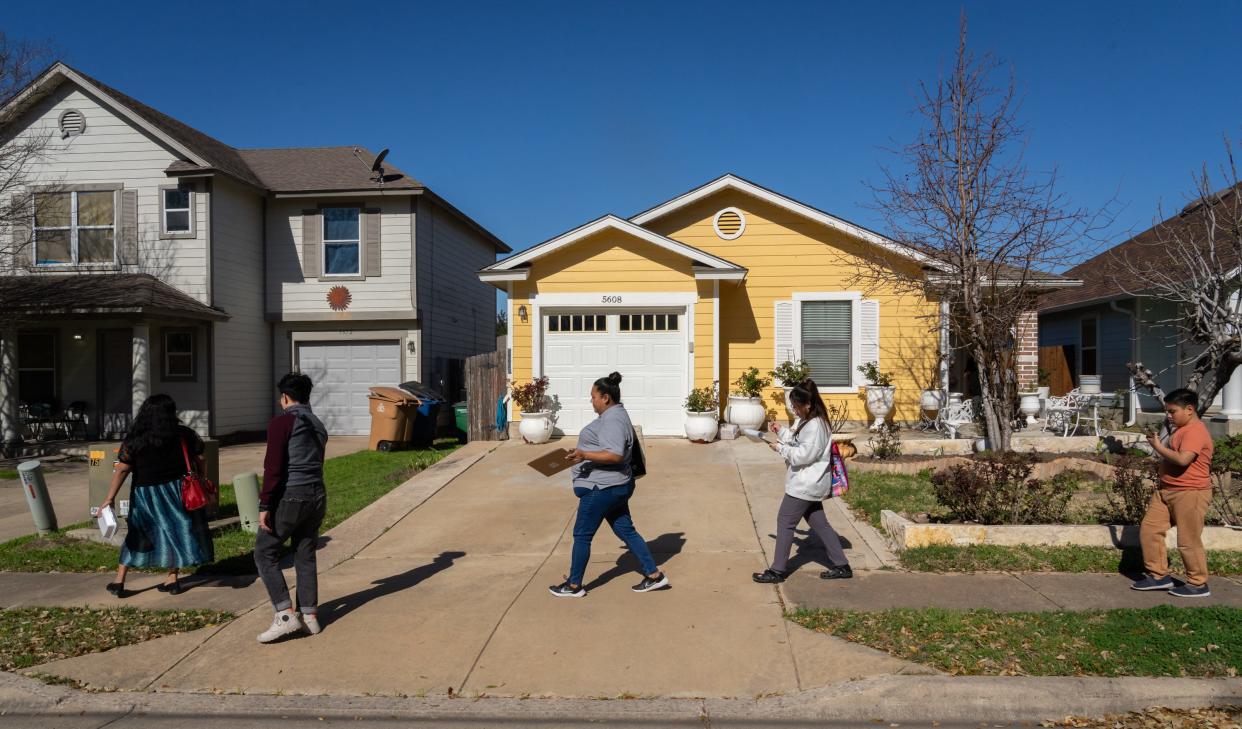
[794,510]
[297,518]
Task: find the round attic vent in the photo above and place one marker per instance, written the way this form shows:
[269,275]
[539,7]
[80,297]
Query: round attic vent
[729,223]
[72,123]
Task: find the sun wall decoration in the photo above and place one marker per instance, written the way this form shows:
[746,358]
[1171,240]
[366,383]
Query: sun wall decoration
[339,298]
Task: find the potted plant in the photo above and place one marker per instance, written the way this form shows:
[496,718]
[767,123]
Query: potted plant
[879,392]
[702,415]
[745,408]
[536,424]
[1030,405]
[791,374]
[1044,378]
[933,401]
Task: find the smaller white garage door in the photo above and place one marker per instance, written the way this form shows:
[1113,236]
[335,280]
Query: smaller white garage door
[343,372]
[647,347]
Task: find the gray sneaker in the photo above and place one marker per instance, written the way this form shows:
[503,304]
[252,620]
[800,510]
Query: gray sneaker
[1151,583]
[1189,590]
[285,622]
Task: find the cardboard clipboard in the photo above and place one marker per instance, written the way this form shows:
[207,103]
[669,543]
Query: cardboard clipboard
[552,462]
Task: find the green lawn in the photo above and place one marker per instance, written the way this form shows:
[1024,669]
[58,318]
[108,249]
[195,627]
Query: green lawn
[8,474]
[870,493]
[31,636]
[1028,558]
[1161,641]
[354,481]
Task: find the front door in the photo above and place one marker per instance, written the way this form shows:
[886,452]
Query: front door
[116,382]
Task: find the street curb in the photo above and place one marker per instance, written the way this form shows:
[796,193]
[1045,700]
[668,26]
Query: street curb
[893,699]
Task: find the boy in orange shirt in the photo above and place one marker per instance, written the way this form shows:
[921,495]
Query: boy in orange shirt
[1182,499]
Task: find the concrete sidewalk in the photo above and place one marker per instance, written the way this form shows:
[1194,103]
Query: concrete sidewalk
[453,599]
[68,487]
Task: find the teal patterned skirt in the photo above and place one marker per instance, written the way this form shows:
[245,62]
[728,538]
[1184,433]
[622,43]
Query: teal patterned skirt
[162,533]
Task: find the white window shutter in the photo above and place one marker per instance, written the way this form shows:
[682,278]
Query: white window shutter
[868,332]
[786,343]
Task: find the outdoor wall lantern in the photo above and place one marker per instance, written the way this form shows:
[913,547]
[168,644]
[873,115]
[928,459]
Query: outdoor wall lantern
[78,336]
[409,346]
[522,312]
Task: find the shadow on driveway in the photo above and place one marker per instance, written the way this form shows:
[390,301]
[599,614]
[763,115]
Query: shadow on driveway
[333,610]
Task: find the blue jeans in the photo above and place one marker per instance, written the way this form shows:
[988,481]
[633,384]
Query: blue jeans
[594,507]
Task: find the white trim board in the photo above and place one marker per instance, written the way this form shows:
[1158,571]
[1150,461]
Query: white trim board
[615,223]
[733,182]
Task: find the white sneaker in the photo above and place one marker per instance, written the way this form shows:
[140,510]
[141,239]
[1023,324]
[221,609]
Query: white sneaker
[285,622]
[310,623]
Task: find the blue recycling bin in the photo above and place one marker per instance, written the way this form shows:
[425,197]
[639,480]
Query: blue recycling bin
[425,418]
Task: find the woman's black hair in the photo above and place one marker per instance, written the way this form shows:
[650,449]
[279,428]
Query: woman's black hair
[610,386]
[807,393]
[155,425]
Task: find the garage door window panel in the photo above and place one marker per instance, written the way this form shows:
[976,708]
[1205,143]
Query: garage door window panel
[650,322]
[577,323]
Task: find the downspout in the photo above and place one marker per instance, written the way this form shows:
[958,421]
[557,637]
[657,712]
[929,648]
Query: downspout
[211,301]
[1134,402]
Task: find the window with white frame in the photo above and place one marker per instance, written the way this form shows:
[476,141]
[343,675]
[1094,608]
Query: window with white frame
[341,242]
[827,330]
[648,322]
[1089,363]
[179,354]
[74,227]
[567,323]
[178,216]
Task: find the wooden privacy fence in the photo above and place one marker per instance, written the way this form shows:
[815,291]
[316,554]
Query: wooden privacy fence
[485,385]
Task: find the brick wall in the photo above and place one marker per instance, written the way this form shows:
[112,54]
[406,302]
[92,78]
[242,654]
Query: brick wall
[1027,361]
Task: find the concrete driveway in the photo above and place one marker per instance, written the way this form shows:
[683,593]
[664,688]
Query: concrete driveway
[453,598]
[68,486]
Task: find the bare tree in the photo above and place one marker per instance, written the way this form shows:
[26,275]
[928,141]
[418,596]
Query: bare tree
[988,227]
[1192,261]
[20,150]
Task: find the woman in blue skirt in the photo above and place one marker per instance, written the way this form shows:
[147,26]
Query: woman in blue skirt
[161,532]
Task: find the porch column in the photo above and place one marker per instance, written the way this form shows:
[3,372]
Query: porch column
[9,427]
[141,365]
[1027,342]
[1231,404]
[945,347]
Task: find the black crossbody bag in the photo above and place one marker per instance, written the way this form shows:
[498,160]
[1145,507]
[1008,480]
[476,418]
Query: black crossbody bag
[638,461]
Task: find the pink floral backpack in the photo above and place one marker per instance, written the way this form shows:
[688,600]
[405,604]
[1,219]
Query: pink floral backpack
[840,477]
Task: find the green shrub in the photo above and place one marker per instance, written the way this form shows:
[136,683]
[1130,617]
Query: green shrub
[997,489]
[750,383]
[886,443]
[702,400]
[874,376]
[1133,481]
[790,373]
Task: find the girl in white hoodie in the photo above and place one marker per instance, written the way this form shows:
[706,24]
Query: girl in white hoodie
[806,448]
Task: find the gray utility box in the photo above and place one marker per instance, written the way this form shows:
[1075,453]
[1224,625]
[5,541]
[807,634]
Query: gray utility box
[101,457]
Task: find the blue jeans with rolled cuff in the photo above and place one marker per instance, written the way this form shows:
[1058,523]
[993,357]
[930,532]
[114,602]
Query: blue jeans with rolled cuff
[595,506]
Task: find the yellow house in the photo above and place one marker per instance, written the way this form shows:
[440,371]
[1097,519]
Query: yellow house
[696,290]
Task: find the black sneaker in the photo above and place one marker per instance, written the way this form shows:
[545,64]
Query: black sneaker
[837,572]
[1148,583]
[652,583]
[567,590]
[117,588]
[768,576]
[1189,590]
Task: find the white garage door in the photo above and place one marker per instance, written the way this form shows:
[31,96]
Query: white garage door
[647,347]
[343,372]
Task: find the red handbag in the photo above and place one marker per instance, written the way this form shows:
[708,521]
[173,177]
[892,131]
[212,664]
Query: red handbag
[196,491]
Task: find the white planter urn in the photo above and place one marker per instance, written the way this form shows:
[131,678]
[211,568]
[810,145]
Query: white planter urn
[981,445]
[1089,384]
[879,402]
[536,428]
[933,400]
[746,412]
[702,427]
[1029,405]
[1044,392]
[955,398]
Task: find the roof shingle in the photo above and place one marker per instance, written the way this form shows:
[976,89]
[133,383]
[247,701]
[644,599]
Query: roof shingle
[81,294]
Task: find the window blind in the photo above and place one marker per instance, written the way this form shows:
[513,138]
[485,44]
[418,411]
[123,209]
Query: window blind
[827,330]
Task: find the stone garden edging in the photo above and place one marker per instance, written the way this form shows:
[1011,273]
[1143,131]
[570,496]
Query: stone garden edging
[906,534]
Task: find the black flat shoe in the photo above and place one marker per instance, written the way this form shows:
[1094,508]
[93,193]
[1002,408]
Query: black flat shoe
[116,588]
[768,577]
[842,572]
[173,588]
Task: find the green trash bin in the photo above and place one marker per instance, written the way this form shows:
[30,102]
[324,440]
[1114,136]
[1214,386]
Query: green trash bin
[463,420]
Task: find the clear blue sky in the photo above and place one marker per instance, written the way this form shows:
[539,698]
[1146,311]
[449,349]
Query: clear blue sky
[534,117]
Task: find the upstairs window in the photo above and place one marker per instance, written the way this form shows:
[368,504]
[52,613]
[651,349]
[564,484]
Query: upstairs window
[178,211]
[341,242]
[74,228]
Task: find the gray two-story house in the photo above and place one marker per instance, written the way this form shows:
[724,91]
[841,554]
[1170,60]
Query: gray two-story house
[157,259]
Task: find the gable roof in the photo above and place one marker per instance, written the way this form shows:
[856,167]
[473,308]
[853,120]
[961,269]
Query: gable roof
[730,181]
[515,267]
[322,169]
[1117,272]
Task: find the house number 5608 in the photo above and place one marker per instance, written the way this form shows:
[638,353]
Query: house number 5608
[612,299]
